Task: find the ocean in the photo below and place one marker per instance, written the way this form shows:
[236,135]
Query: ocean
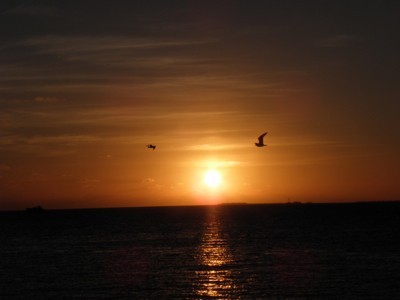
[287,251]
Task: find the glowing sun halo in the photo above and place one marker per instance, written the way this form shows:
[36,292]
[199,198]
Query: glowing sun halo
[212,178]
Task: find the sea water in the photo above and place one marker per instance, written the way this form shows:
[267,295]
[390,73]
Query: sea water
[308,251]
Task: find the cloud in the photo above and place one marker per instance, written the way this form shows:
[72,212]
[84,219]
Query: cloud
[148,180]
[216,147]
[56,145]
[88,183]
[107,49]
[37,177]
[41,99]
[151,184]
[305,141]
[155,67]
[218,163]
[4,168]
[33,10]
[62,139]
[337,41]
[5,121]
[132,68]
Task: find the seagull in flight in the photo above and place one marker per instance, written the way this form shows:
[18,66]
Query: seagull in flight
[150,146]
[261,140]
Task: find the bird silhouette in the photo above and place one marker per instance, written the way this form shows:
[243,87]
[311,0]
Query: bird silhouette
[261,140]
[150,146]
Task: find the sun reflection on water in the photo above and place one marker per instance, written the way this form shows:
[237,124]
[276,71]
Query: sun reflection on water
[215,278]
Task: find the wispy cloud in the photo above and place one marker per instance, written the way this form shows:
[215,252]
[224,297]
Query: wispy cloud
[217,163]
[67,140]
[338,41]
[306,141]
[150,184]
[89,183]
[46,145]
[33,10]
[45,99]
[128,65]
[4,168]
[108,49]
[216,147]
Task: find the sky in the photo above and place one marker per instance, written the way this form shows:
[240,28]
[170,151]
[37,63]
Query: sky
[86,85]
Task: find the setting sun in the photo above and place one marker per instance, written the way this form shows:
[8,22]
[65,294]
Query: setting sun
[212,178]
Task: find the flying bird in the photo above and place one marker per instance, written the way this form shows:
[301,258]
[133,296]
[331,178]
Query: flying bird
[261,140]
[150,146]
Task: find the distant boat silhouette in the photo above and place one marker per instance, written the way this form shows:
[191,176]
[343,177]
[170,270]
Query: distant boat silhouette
[150,146]
[261,140]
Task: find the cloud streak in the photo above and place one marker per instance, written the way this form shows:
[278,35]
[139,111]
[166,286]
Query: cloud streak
[338,41]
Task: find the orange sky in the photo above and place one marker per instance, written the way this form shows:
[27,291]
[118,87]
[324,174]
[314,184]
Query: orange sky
[81,98]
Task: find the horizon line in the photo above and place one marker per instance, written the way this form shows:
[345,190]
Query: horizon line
[288,203]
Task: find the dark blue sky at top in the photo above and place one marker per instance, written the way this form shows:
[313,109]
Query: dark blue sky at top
[351,46]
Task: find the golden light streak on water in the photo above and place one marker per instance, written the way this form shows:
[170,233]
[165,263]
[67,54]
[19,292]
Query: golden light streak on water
[215,279]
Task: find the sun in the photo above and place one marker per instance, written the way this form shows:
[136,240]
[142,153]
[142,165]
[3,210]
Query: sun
[212,178]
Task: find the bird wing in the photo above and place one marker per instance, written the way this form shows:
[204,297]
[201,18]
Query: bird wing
[261,137]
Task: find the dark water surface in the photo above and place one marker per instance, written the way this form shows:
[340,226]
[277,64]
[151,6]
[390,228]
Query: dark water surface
[329,251]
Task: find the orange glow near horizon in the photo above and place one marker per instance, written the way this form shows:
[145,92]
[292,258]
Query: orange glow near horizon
[175,174]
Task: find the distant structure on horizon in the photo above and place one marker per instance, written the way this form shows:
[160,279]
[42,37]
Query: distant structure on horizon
[35,209]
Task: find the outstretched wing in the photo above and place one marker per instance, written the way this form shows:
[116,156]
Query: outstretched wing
[261,138]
